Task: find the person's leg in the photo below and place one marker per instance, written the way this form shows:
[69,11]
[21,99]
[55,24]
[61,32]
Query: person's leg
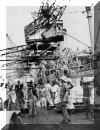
[20,103]
[32,108]
[17,104]
[35,106]
[45,103]
[9,103]
[41,102]
[70,112]
[87,108]
[91,112]
[66,116]
[50,102]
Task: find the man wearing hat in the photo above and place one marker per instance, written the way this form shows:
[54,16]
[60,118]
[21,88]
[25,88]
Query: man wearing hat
[65,92]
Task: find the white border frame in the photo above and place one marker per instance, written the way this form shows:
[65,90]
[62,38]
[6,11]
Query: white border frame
[5,3]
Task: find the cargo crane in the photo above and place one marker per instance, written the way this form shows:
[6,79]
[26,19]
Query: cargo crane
[47,16]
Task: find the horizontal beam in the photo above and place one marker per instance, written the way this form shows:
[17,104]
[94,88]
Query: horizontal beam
[56,38]
[33,58]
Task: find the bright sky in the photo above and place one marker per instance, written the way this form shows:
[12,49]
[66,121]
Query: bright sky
[75,22]
[22,16]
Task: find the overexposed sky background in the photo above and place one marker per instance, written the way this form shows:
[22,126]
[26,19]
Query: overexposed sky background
[74,20]
[26,13]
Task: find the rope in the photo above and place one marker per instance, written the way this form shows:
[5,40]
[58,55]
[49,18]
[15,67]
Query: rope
[79,41]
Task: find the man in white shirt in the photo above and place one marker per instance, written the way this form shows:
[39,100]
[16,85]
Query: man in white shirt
[43,97]
[66,104]
[48,94]
[55,90]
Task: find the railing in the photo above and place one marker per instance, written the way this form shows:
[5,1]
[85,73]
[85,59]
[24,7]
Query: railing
[86,69]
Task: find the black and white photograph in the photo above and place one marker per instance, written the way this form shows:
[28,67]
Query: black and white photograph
[49,66]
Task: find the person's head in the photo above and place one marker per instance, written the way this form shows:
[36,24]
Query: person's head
[63,79]
[31,82]
[63,82]
[18,82]
[67,73]
[66,82]
[13,118]
[15,122]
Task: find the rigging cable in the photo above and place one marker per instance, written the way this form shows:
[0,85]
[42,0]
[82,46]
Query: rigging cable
[79,41]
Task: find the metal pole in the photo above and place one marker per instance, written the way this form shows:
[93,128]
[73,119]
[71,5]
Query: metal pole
[89,17]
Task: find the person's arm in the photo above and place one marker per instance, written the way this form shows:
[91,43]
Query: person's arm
[15,88]
[71,86]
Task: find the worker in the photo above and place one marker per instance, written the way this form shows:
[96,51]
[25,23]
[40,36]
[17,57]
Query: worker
[55,92]
[65,92]
[48,94]
[34,99]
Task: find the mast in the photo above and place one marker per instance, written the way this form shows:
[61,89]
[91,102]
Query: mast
[89,17]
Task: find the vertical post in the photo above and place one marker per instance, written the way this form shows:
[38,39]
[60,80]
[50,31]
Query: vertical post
[89,17]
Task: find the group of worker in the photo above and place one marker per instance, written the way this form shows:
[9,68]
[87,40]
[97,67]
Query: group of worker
[47,94]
